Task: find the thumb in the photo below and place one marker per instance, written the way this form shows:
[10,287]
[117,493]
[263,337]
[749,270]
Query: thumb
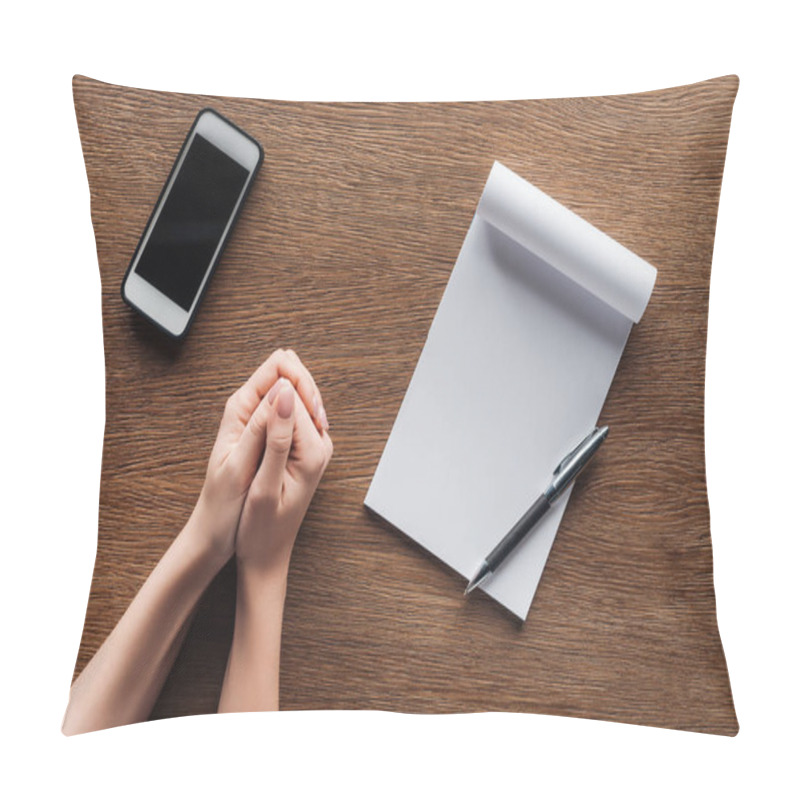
[280,431]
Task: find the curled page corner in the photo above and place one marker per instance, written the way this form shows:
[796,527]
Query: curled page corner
[567,242]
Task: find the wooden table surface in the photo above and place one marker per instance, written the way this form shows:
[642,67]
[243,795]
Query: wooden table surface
[342,252]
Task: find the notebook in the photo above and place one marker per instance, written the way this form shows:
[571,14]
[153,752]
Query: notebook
[514,372]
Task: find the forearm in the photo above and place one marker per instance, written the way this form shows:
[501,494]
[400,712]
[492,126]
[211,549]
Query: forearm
[251,680]
[121,683]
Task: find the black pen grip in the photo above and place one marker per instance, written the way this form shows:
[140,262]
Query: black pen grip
[518,532]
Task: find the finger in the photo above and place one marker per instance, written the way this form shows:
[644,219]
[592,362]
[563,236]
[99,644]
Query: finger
[238,410]
[312,448]
[285,363]
[328,445]
[307,385]
[282,403]
[321,441]
[249,448]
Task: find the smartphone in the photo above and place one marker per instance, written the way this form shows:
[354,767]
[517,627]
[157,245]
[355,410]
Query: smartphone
[191,222]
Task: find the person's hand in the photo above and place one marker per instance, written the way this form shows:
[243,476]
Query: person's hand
[295,456]
[240,445]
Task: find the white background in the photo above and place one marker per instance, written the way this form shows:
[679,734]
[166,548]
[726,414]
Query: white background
[53,403]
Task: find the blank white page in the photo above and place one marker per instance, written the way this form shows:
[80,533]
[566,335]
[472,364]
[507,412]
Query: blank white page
[514,373]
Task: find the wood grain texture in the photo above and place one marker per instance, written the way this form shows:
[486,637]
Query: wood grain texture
[343,252]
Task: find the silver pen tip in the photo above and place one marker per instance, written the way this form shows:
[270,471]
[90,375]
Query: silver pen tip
[480,576]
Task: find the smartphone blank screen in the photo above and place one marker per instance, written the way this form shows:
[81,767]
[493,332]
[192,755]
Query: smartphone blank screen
[192,221]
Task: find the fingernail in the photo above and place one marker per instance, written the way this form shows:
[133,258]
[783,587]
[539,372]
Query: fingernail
[323,417]
[276,387]
[286,402]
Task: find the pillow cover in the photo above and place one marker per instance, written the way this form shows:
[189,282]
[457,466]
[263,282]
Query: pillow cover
[342,252]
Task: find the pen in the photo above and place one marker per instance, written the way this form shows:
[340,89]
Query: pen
[564,474]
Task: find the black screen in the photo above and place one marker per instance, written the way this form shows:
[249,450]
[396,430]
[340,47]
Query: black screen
[191,223]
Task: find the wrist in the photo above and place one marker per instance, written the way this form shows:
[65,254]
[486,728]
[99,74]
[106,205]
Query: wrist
[260,594]
[212,530]
[265,575]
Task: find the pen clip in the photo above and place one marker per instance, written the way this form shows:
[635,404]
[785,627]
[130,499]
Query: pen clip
[571,455]
[573,464]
